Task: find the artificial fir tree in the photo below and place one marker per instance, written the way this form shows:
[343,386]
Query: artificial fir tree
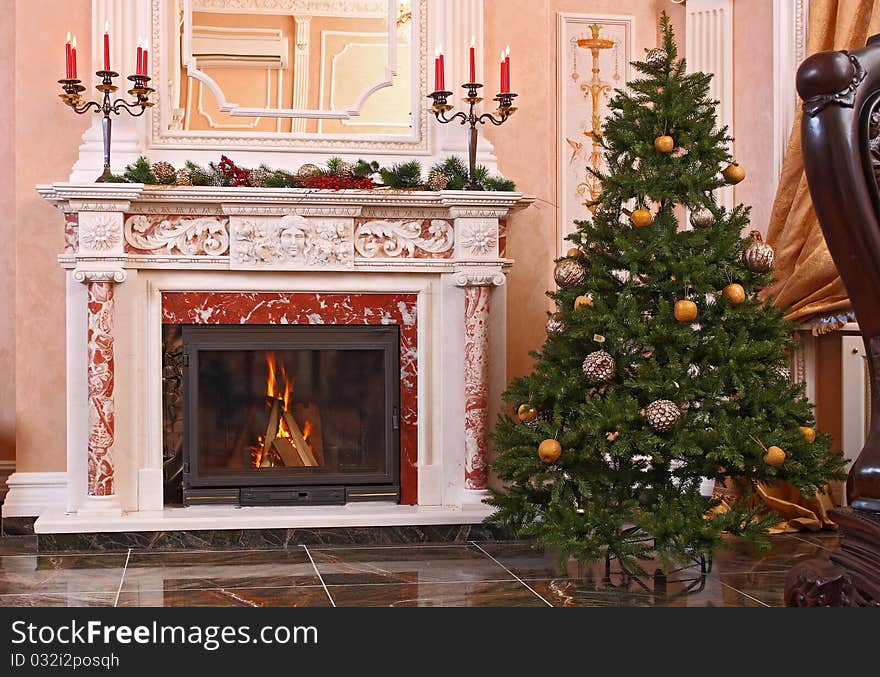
[661,366]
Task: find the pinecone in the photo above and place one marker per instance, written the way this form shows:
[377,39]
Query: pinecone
[556,325]
[599,367]
[164,173]
[258,177]
[307,170]
[438,181]
[184,177]
[344,170]
[569,273]
[662,415]
[784,373]
[536,422]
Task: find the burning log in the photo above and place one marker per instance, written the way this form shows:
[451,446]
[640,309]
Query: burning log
[296,436]
[271,432]
[288,452]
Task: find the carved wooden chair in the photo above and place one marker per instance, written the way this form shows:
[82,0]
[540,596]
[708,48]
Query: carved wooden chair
[841,147]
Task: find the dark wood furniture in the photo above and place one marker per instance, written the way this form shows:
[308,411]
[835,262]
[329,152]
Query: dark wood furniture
[840,133]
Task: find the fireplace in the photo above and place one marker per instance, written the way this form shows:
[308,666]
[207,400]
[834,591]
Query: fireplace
[290,414]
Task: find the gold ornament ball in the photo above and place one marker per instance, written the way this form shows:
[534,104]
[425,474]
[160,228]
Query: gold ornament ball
[549,451]
[774,456]
[642,218]
[734,293]
[808,433]
[583,301]
[734,173]
[526,413]
[664,144]
[685,310]
[574,251]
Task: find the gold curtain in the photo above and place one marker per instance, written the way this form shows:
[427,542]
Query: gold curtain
[807,280]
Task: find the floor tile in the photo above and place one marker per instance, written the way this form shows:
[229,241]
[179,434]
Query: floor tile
[24,574]
[71,599]
[414,564]
[187,570]
[785,551]
[704,592]
[767,587]
[527,562]
[462,594]
[314,596]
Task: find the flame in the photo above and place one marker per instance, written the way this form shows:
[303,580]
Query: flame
[278,387]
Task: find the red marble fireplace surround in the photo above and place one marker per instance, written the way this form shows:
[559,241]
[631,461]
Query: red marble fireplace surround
[237,308]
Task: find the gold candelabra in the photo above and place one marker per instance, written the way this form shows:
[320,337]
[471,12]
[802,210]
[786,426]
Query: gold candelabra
[140,89]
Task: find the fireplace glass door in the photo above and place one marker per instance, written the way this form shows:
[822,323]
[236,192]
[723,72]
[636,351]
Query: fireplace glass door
[291,413]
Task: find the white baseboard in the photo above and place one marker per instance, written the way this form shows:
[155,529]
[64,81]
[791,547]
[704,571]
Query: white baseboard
[30,494]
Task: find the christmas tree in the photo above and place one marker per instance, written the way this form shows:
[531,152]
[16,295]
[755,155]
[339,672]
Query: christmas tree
[661,367]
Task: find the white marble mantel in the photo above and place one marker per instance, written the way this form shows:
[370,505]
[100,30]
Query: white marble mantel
[128,244]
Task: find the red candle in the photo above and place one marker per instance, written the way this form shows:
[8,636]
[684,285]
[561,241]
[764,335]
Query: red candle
[507,66]
[473,61]
[140,54]
[144,62]
[442,85]
[503,73]
[436,69]
[67,56]
[73,59]
[107,46]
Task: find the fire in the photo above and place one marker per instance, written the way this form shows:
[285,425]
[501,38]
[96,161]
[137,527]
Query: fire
[279,395]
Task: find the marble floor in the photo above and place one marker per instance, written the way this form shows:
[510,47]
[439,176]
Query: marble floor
[489,573]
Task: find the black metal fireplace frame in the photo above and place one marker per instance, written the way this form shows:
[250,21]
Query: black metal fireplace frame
[279,487]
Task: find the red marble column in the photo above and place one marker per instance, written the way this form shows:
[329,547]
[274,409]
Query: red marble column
[476,386]
[100,383]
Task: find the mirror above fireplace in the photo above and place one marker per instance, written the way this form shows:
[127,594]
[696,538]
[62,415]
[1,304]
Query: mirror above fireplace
[301,73]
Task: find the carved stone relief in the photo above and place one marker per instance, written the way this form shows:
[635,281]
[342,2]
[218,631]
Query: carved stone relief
[291,242]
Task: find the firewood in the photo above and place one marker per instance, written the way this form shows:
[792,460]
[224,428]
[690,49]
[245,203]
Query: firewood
[288,453]
[298,440]
[271,432]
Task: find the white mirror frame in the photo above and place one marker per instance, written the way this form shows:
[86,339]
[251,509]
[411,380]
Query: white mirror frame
[165,26]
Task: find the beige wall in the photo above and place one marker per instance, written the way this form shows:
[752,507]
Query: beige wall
[46,138]
[7,236]
[753,106]
[526,145]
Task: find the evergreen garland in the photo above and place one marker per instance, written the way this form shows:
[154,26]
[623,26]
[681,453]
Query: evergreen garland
[400,176]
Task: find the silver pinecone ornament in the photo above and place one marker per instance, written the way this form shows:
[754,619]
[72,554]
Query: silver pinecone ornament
[655,57]
[662,415]
[258,177]
[556,325]
[759,255]
[344,170]
[307,170]
[702,217]
[599,367]
[164,173]
[784,373]
[184,177]
[569,273]
[438,181]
